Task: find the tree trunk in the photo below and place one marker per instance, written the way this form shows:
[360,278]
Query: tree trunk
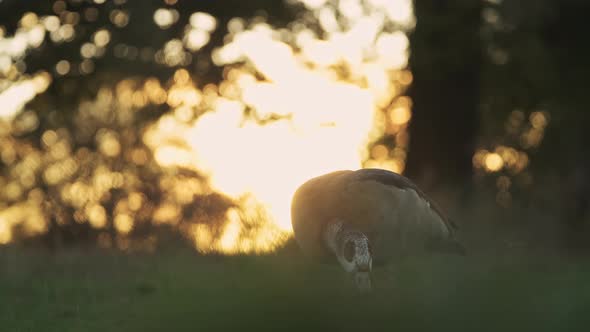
[446,63]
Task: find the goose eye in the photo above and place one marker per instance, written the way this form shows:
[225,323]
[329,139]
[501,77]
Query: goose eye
[349,251]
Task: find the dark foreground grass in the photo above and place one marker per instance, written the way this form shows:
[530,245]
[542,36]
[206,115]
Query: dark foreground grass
[181,291]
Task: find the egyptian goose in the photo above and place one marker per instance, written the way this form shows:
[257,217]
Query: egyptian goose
[367,215]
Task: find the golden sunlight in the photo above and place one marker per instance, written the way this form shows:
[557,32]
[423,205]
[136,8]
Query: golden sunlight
[16,96]
[284,116]
[493,162]
[292,104]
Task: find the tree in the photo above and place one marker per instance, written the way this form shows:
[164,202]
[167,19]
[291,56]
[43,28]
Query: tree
[446,62]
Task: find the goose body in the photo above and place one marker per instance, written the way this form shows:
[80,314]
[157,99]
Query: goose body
[387,209]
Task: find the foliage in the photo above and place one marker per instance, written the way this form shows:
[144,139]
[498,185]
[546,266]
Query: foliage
[124,120]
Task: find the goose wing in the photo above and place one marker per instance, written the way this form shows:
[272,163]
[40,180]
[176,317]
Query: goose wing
[402,215]
[398,181]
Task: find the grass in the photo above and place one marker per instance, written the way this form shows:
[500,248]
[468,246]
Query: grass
[178,290]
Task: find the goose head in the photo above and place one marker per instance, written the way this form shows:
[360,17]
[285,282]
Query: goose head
[355,256]
[352,249]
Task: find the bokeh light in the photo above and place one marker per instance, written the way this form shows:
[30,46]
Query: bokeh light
[510,162]
[221,161]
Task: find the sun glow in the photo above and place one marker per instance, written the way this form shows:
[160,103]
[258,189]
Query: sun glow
[227,157]
[282,116]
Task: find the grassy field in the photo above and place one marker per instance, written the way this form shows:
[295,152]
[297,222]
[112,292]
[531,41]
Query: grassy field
[178,290]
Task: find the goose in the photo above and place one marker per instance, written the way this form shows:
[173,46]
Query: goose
[365,216]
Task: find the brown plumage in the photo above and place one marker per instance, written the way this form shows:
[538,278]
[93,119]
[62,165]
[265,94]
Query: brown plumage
[393,213]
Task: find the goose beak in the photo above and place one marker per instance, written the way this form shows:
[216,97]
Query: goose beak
[362,280]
